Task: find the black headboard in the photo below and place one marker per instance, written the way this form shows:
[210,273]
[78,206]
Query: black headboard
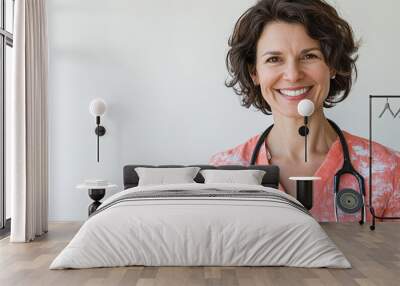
[271,177]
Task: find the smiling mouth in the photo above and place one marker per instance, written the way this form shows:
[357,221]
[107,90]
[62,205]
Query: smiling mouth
[295,93]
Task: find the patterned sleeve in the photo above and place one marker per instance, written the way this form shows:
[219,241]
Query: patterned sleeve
[232,156]
[393,206]
[239,155]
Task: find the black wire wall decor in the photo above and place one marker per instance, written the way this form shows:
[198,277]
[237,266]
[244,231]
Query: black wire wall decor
[394,114]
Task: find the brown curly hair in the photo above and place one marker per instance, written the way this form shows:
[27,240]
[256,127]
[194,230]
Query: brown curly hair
[321,22]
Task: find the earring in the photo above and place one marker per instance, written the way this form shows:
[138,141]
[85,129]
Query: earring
[333,77]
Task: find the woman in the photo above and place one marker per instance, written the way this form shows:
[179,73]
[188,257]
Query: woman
[281,52]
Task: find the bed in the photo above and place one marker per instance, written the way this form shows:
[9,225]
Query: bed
[201,224]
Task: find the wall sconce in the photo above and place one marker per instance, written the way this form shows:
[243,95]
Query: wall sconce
[97,108]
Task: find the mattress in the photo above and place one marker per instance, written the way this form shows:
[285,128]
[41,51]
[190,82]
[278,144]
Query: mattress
[201,225]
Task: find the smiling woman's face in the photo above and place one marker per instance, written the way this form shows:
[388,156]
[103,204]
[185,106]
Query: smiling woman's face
[290,67]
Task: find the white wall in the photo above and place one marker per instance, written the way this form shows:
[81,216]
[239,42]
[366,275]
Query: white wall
[160,65]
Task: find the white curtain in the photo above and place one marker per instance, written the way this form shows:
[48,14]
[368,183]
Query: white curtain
[27,123]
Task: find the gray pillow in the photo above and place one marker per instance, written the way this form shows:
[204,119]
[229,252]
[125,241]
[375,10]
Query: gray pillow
[248,177]
[164,176]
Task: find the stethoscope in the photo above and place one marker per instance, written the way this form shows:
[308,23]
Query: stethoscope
[348,200]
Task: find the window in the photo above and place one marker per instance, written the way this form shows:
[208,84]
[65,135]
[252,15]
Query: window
[6,44]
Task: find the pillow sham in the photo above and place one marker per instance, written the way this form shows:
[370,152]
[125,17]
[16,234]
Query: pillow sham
[248,177]
[164,176]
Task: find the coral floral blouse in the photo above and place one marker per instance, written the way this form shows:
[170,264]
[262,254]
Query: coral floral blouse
[385,175]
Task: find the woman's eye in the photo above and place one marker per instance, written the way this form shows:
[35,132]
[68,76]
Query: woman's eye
[310,57]
[272,60]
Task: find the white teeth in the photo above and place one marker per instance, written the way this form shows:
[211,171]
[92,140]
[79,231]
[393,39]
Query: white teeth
[296,92]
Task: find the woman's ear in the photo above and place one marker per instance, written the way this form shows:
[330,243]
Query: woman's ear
[333,74]
[254,75]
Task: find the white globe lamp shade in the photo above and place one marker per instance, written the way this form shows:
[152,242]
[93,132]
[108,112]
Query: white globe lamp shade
[97,107]
[305,107]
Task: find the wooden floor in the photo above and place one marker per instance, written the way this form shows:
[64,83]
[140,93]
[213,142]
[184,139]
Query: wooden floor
[375,257]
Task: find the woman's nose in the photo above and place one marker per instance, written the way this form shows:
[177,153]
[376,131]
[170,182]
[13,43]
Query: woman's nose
[293,72]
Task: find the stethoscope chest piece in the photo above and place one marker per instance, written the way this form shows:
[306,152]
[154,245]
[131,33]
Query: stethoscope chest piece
[349,201]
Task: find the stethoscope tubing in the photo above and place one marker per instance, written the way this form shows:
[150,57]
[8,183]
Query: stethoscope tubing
[346,168]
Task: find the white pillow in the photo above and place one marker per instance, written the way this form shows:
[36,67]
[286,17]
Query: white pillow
[163,176]
[248,177]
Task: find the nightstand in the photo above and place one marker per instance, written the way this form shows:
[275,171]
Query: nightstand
[96,193]
[304,190]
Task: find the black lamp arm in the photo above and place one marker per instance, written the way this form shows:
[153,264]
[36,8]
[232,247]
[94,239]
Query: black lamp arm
[99,131]
[305,137]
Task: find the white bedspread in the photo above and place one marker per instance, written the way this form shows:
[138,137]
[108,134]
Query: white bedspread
[200,231]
